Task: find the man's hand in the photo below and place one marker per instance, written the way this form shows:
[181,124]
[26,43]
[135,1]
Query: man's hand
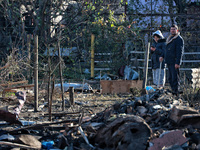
[161,59]
[153,48]
[177,66]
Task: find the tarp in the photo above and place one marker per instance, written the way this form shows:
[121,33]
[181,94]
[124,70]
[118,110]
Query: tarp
[66,86]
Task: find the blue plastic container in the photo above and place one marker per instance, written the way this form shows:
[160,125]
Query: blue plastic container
[47,145]
[149,88]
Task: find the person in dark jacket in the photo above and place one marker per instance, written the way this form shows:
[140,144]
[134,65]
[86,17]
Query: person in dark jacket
[157,51]
[173,57]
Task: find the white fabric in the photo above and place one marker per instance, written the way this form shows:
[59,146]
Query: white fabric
[158,32]
[156,77]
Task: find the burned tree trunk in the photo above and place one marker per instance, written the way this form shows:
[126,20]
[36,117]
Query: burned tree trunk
[132,132]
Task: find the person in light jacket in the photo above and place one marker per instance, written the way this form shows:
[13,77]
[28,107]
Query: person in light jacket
[157,53]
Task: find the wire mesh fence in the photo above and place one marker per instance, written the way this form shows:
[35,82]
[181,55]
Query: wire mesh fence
[112,49]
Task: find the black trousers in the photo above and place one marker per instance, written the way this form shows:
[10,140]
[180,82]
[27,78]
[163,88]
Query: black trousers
[173,77]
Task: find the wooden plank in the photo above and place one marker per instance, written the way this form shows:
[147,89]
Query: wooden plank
[12,89]
[119,86]
[9,90]
[106,86]
[14,83]
[21,86]
[41,126]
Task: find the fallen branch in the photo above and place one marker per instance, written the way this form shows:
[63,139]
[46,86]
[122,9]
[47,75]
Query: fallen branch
[58,114]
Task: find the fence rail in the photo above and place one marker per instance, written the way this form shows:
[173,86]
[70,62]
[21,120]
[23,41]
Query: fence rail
[142,60]
[184,60]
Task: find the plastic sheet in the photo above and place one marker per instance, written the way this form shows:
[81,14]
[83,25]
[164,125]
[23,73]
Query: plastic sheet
[130,74]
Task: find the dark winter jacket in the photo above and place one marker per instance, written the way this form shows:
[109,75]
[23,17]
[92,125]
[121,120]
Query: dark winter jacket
[159,52]
[174,49]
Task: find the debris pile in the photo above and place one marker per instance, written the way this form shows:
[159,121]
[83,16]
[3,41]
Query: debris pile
[157,121]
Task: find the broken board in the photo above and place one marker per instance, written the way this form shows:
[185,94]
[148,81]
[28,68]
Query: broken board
[119,86]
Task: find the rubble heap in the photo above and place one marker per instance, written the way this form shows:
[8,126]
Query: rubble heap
[157,121]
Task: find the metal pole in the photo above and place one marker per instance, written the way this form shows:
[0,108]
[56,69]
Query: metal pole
[159,75]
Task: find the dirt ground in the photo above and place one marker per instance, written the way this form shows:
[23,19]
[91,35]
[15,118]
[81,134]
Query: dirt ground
[85,102]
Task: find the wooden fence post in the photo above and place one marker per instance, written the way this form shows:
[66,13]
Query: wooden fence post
[60,72]
[92,55]
[36,72]
[146,62]
[71,95]
[29,56]
[51,99]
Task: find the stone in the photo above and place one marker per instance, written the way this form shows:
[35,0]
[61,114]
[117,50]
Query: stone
[198,147]
[190,119]
[167,139]
[174,147]
[129,110]
[193,146]
[142,110]
[196,138]
[29,140]
[178,111]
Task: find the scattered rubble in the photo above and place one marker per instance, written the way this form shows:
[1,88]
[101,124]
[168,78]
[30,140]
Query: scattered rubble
[178,111]
[157,121]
